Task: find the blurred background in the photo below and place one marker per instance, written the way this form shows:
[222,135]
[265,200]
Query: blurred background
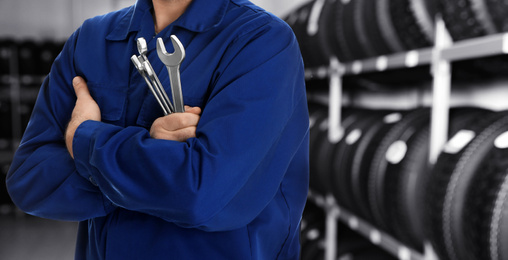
[408,114]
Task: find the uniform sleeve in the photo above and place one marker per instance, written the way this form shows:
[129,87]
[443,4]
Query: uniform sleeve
[251,127]
[43,180]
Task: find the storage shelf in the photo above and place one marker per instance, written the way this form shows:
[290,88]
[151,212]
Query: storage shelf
[366,229]
[463,50]
[23,79]
[440,59]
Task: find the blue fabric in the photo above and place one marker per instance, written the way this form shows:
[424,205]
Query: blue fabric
[236,191]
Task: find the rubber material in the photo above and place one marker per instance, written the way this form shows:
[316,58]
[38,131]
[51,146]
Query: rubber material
[378,174]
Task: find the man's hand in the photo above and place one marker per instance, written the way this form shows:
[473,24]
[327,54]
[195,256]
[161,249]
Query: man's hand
[177,126]
[85,109]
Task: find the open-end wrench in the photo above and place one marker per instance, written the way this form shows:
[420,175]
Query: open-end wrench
[172,62]
[143,49]
[142,71]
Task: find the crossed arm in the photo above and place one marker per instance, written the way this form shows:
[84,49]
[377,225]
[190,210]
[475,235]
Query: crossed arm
[206,182]
[175,127]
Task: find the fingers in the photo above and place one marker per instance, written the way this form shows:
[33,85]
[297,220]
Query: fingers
[177,121]
[183,134]
[176,126]
[80,87]
[193,110]
[180,135]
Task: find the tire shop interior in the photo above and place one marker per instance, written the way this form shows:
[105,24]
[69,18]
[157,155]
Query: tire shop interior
[408,115]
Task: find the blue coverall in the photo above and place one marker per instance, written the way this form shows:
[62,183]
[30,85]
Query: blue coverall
[236,191]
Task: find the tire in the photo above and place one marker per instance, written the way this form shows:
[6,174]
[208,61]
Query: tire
[378,184]
[410,178]
[463,178]
[445,189]
[413,22]
[310,25]
[363,155]
[341,178]
[318,116]
[370,34]
[325,150]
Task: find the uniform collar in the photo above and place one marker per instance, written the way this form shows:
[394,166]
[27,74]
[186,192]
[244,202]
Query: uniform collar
[200,16]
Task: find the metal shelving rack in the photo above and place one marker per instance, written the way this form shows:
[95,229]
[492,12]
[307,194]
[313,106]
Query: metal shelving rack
[377,237]
[13,83]
[13,88]
[439,57]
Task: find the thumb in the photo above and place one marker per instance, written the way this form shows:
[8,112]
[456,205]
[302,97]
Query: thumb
[80,87]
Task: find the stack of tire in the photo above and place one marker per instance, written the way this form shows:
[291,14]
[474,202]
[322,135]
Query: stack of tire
[379,170]
[467,199]
[376,169]
[7,48]
[27,57]
[353,30]
[350,245]
[359,29]
[27,61]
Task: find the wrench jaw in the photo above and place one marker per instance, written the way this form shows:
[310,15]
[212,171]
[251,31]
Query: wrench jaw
[142,48]
[137,64]
[171,59]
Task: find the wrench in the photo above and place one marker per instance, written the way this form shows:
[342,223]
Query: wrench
[142,71]
[172,62]
[143,49]
[160,91]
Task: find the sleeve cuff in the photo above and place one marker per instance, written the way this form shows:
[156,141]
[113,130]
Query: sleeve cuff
[82,147]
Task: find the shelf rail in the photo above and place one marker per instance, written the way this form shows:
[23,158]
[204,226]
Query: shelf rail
[486,46]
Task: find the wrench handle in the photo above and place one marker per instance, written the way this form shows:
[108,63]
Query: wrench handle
[164,108]
[137,64]
[159,89]
[176,88]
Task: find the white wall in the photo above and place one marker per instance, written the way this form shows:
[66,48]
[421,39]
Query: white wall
[57,19]
[49,19]
[279,7]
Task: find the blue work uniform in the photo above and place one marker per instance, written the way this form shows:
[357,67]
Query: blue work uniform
[236,191]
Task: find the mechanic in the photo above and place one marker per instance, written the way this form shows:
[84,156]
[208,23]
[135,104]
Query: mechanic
[227,179]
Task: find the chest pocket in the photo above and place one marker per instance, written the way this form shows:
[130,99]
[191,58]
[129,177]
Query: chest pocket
[110,98]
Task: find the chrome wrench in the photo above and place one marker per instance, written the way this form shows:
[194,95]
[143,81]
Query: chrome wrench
[159,89]
[142,71]
[172,62]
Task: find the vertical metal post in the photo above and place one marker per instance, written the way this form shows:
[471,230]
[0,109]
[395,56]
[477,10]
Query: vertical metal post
[429,252]
[15,97]
[332,214]
[441,92]
[441,70]
[335,130]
